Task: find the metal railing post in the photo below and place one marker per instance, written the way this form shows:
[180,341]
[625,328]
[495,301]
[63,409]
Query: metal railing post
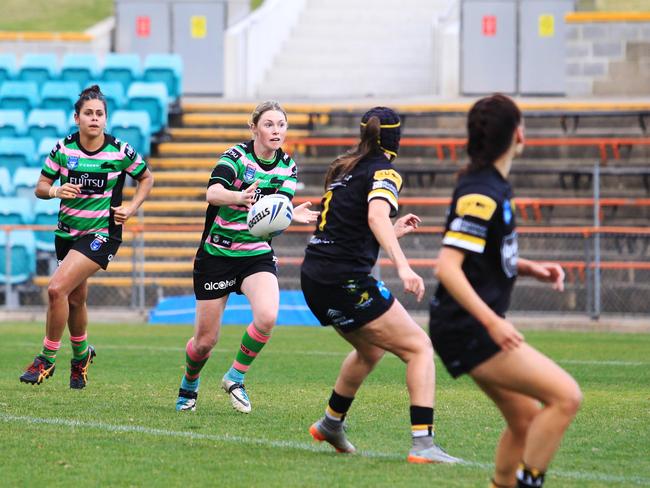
[141,290]
[597,303]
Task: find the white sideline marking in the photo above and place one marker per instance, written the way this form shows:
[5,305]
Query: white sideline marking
[301,446]
[333,353]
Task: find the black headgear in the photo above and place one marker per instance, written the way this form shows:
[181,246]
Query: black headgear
[390,131]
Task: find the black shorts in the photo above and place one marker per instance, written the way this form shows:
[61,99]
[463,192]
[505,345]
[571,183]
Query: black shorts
[461,341]
[95,247]
[348,305]
[216,276]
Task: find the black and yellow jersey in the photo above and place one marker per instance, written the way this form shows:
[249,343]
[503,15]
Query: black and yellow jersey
[481,222]
[343,246]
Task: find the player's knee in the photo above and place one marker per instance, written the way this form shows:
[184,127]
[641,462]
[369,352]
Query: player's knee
[265,321]
[56,292]
[203,346]
[77,300]
[371,356]
[571,401]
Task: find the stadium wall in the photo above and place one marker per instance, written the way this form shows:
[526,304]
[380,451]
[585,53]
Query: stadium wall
[608,53]
[97,40]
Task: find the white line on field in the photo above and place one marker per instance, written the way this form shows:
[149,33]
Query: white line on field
[132,347]
[301,446]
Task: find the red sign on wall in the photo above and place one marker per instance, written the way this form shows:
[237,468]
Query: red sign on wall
[142,26]
[489,25]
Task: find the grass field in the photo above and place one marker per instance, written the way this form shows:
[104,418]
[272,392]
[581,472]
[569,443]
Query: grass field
[122,430]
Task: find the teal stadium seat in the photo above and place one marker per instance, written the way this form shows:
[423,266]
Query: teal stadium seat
[19,95]
[25,180]
[46,123]
[114,93]
[8,69]
[124,68]
[23,256]
[153,98]
[45,148]
[38,67]
[72,125]
[46,212]
[15,211]
[5,183]
[134,127]
[12,123]
[165,68]
[16,152]
[59,95]
[79,67]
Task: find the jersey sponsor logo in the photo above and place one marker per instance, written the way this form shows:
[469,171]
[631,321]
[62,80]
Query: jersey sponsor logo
[468,227]
[108,165]
[389,174]
[249,174]
[73,162]
[129,152]
[509,255]
[97,242]
[507,212]
[338,318]
[219,285]
[91,183]
[233,154]
[55,150]
[221,240]
[110,257]
[476,205]
[385,185]
[63,227]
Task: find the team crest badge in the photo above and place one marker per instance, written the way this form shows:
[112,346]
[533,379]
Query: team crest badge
[249,174]
[97,242]
[73,162]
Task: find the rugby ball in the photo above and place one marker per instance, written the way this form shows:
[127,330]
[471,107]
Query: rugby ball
[269,216]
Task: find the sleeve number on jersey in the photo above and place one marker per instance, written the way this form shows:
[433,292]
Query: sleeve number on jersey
[326,206]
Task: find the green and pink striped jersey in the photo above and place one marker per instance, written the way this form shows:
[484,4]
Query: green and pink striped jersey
[225,232]
[101,175]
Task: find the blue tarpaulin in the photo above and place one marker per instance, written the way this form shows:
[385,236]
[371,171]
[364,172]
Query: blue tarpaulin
[181,310]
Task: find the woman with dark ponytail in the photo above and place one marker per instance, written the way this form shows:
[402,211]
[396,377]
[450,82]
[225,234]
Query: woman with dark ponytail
[92,166]
[477,268]
[361,193]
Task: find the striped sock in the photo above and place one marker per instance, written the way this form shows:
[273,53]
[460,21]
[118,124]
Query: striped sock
[529,477]
[194,362]
[337,409]
[79,346]
[50,348]
[251,344]
[421,427]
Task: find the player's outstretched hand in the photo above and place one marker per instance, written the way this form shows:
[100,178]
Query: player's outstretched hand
[548,272]
[303,215]
[406,224]
[246,197]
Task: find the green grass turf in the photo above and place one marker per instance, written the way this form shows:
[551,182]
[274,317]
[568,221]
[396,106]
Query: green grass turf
[53,15]
[122,430]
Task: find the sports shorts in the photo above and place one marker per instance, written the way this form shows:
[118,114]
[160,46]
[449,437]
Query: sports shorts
[348,305]
[461,341]
[96,247]
[217,276]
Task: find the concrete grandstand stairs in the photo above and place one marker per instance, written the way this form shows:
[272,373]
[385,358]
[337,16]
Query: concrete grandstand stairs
[365,48]
[174,214]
